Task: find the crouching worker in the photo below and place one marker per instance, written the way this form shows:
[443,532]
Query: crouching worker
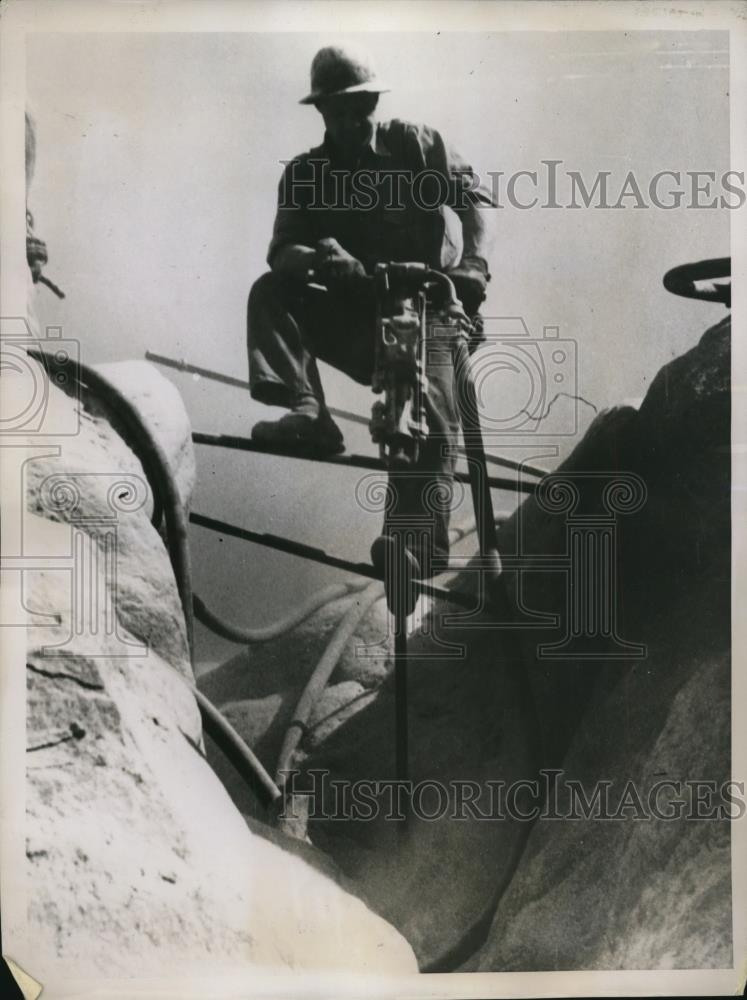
[371,192]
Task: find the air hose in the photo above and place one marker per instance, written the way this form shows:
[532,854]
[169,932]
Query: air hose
[265,633]
[321,674]
[234,747]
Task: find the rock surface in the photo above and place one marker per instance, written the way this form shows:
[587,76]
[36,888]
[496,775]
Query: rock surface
[97,483]
[494,895]
[138,862]
[638,893]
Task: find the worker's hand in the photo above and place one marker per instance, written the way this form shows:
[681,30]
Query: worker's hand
[334,265]
[295,261]
[470,281]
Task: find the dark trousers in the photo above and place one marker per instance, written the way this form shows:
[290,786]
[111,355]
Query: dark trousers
[290,326]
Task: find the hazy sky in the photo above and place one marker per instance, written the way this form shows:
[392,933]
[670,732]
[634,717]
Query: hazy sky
[158,162]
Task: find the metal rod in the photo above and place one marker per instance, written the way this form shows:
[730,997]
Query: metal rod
[320,556]
[401,722]
[182,366]
[356,418]
[349,461]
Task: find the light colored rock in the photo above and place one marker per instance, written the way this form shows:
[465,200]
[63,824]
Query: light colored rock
[137,859]
[161,406]
[96,480]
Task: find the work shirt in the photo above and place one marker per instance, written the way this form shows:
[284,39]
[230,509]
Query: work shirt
[401,202]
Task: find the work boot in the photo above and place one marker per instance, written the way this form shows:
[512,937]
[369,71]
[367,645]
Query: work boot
[301,432]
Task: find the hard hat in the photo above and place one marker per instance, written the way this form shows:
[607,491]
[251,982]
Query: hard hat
[336,70]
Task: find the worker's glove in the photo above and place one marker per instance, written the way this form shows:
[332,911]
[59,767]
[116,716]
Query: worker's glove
[470,281]
[36,256]
[334,266]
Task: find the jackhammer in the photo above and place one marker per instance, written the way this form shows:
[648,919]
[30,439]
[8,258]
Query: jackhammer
[413,300]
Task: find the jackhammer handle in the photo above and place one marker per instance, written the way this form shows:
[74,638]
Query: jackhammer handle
[405,269]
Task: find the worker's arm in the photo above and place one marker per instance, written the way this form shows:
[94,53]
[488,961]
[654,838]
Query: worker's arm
[471,200]
[294,260]
[472,274]
[292,251]
[327,263]
[296,249]
[478,231]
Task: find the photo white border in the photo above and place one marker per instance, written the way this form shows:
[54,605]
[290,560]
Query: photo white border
[18,18]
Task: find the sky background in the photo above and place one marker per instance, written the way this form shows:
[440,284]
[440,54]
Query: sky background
[157,169]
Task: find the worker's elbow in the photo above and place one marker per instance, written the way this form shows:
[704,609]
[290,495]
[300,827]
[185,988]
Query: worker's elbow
[478,231]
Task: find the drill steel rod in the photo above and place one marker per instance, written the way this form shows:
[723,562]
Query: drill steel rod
[401,733]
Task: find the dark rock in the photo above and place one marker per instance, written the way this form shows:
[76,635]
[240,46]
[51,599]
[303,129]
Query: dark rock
[638,893]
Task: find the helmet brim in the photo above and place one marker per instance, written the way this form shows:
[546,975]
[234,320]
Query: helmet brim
[358,88]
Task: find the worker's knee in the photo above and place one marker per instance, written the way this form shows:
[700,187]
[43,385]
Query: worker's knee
[265,288]
[272,292]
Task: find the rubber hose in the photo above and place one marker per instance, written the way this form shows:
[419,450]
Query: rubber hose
[321,674]
[254,636]
[242,757]
[456,534]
